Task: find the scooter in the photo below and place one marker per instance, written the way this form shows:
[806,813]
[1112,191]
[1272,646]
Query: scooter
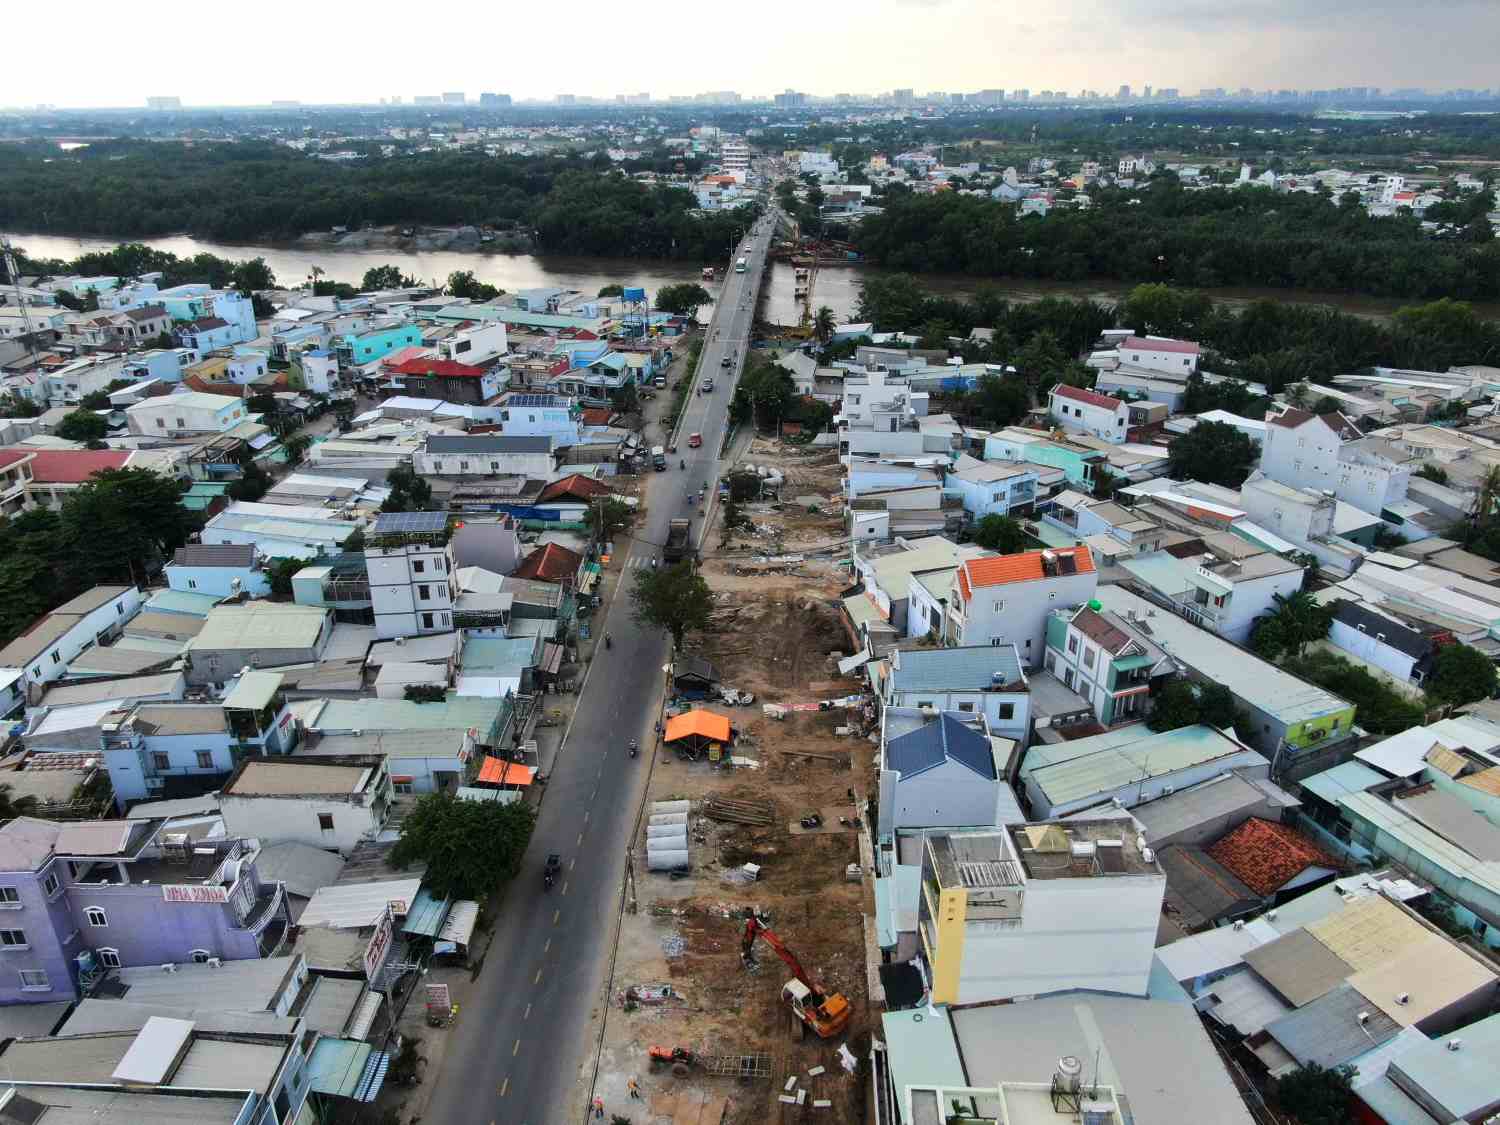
[682,464]
[634,748]
[609,642]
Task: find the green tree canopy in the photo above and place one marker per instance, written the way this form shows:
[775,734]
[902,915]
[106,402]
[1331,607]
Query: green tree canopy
[1315,1096]
[1001,533]
[83,425]
[463,283]
[1214,453]
[674,598]
[1000,400]
[683,299]
[1297,621]
[386,277]
[409,492]
[252,275]
[764,394]
[824,322]
[608,517]
[1175,705]
[612,291]
[121,520]
[1460,674]
[468,846]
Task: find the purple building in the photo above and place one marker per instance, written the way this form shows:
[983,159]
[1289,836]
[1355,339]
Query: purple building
[78,898]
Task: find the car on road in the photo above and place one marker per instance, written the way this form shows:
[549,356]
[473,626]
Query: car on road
[708,385]
[695,440]
[724,362]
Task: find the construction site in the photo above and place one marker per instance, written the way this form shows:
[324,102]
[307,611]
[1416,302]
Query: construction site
[740,987]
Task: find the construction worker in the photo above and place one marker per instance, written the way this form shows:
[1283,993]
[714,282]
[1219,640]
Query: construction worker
[635,1089]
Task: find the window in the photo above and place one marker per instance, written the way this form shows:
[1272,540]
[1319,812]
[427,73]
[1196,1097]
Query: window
[424,592]
[1297,466]
[13,939]
[192,583]
[50,884]
[36,670]
[10,897]
[160,761]
[200,956]
[924,703]
[161,423]
[418,566]
[463,466]
[109,958]
[56,657]
[1007,710]
[966,707]
[494,466]
[35,980]
[999,606]
[1072,644]
[205,760]
[427,621]
[402,786]
[325,821]
[181,425]
[95,916]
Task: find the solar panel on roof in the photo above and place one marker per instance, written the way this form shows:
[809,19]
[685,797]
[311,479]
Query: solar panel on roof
[531,400]
[410,523]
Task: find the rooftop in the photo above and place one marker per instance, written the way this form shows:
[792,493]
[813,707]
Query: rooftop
[946,738]
[970,668]
[295,777]
[1088,398]
[1028,566]
[1267,855]
[261,625]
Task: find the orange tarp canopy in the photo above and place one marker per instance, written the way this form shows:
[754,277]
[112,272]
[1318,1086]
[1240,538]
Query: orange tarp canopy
[497,771]
[704,724]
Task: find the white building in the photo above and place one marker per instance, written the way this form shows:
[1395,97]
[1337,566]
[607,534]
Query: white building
[184,414]
[1005,599]
[1161,353]
[1035,909]
[943,770]
[476,344]
[411,574]
[1089,412]
[332,803]
[987,680]
[486,455]
[43,653]
[1327,452]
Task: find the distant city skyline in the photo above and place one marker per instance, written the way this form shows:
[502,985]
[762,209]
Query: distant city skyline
[326,54]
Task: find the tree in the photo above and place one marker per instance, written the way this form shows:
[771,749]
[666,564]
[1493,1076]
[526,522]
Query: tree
[13,405]
[612,291]
[253,482]
[280,573]
[462,283]
[1216,706]
[1315,1096]
[1215,453]
[83,425]
[1435,473]
[673,598]
[763,394]
[1175,705]
[1001,533]
[627,400]
[824,323]
[1000,400]
[121,520]
[468,846]
[683,299]
[12,806]
[409,492]
[1460,674]
[387,277]
[608,517]
[296,448]
[252,275]
[1296,622]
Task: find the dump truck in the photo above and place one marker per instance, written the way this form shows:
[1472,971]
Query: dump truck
[678,535]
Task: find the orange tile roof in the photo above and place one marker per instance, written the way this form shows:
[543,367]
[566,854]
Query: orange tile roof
[1265,855]
[704,724]
[997,570]
[553,563]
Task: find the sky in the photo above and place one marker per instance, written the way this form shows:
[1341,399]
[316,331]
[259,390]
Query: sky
[90,53]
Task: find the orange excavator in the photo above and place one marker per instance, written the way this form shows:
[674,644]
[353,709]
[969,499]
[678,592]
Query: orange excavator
[827,1014]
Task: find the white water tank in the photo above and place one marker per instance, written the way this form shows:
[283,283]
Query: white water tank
[1069,1075]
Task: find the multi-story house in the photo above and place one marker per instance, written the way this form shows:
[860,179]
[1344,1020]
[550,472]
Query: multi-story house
[185,413]
[486,455]
[1005,599]
[1161,353]
[984,679]
[541,415]
[942,769]
[992,487]
[43,653]
[1224,587]
[131,326]
[1102,662]
[1327,452]
[410,567]
[1089,412]
[78,898]
[475,344]
[445,379]
[1038,448]
[322,801]
[1020,912]
[375,342]
[194,303]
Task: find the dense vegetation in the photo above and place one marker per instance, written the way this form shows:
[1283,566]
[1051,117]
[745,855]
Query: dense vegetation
[1249,236]
[255,190]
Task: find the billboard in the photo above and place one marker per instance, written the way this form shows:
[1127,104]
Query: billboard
[380,945]
[194,892]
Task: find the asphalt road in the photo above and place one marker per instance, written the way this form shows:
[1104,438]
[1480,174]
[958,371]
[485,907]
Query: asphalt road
[524,1038]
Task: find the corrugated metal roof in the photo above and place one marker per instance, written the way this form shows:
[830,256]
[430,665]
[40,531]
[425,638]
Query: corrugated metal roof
[1328,1031]
[458,927]
[1299,966]
[1227,796]
[426,914]
[1451,819]
[972,668]
[1367,932]
[1148,756]
[1245,1002]
[353,906]
[1462,1082]
[1346,777]
[1214,950]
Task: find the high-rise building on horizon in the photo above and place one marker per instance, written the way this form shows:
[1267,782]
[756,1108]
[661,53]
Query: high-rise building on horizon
[453,98]
[491,99]
[163,101]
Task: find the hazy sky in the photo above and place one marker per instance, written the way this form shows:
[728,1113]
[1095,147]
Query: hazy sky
[88,53]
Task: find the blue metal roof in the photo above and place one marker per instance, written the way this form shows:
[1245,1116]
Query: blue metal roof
[425,915]
[936,742]
[974,668]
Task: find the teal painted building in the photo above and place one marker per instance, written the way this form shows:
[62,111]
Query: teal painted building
[1021,445]
[359,348]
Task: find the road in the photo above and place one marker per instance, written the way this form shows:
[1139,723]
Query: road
[525,1037]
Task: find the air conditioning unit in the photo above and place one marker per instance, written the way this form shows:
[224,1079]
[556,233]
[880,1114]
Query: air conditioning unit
[215,963]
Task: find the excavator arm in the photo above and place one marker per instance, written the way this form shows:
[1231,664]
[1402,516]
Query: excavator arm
[754,928]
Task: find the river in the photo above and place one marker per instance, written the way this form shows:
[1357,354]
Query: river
[834,286]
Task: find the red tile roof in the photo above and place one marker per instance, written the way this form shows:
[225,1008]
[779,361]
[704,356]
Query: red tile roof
[1265,856]
[1185,347]
[575,484]
[551,563]
[1092,398]
[74,466]
[596,415]
[443,367]
[998,570]
[205,323]
[1291,418]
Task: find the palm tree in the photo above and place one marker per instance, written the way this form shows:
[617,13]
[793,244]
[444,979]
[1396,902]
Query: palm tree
[1297,621]
[1486,497]
[823,324]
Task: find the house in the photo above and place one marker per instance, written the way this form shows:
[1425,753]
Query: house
[543,415]
[185,413]
[129,893]
[1304,517]
[1273,859]
[1454,1081]
[1197,815]
[1225,589]
[280,531]
[1379,639]
[486,455]
[1288,715]
[1039,448]
[43,652]
[374,342]
[443,763]
[1005,599]
[410,571]
[992,487]
[551,562]
[256,635]
[222,569]
[1013,913]
[889,575]
[1098,658]
[1127,766]
[1104,525]
[324,802]
[1328,453]
[984,679]
[1161,353]
[1088,412]
[942,769]
[447,380]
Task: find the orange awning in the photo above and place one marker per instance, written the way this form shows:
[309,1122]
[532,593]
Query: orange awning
[497,771]
[704,724]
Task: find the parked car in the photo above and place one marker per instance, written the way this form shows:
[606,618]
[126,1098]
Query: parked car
[695,440]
